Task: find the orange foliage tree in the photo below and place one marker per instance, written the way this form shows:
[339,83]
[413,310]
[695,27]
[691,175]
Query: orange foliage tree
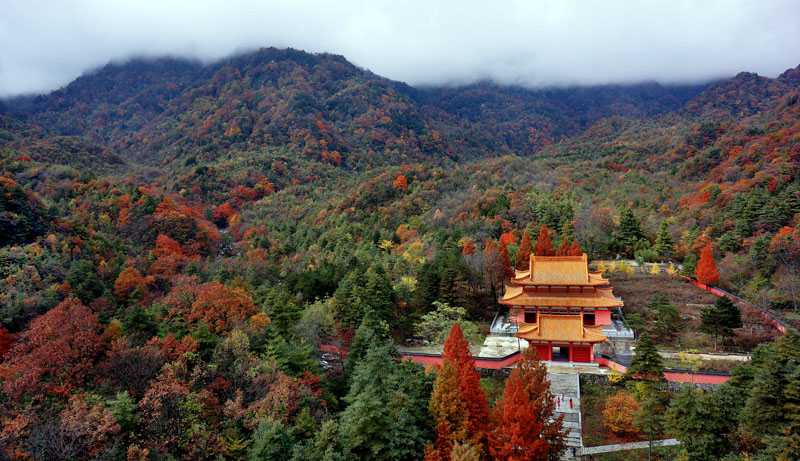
[706,270]
[563,249]
[524,253]
[544,247]
[526,425]
[505,262]
[169,257]
[620,413]
[457,383]
[400,182]
[575,249]
[129,281]
[55,353]
[218,306]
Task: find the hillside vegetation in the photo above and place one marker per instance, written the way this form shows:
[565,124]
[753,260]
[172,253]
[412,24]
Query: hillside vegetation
[213,225]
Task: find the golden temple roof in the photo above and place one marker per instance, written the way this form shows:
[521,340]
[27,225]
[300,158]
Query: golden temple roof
[561,328]
[516,296]
[559,270]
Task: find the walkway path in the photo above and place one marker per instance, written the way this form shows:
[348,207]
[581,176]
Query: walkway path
[568,385]
[628,446]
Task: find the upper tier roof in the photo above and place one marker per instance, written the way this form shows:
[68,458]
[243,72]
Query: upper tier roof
[603,298]
[561,328]
[559,270]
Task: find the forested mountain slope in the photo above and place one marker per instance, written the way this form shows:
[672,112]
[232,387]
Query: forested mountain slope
[213,225]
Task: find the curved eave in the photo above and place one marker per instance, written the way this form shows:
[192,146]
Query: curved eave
[599,302]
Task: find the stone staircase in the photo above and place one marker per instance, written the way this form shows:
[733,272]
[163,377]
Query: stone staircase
[568,384]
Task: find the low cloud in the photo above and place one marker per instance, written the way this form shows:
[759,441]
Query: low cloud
[46,44]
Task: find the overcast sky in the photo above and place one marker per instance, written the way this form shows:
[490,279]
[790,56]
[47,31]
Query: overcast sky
[46,44]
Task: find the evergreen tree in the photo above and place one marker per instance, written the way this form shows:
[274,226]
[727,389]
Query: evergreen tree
[386,416]
[429,283]
[271,441]
[759,257]
[283,309]
[347,303]
[629,231]
[702,422]
[522,261]
[372,332]
[566,230]
[721,319]
[664,244]
[646,363]
[667,320]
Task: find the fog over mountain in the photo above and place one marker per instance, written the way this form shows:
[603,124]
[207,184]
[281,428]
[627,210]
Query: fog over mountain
[46,44]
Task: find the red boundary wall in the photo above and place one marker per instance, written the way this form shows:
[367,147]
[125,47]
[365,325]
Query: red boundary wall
[680,377]
[496,364]
[770,318]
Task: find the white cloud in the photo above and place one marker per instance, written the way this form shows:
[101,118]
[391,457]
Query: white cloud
[45,44]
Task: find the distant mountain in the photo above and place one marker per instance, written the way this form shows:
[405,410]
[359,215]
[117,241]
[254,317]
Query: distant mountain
[321,108]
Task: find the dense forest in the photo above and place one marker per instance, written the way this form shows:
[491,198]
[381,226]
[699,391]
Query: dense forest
[180,242]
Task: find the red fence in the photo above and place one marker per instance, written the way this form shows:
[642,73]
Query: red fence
[768,316]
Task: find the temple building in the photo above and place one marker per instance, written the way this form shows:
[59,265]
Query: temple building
[561,307]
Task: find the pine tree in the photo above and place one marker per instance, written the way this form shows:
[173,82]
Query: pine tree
[721,319]
[385,417]
[664,244]
[667,320]
[544,246]
[706,270]
[629,231]
[646,363]
[524,252]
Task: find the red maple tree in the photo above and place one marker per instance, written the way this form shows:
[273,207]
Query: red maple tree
[218,306]
[706,270]
[400,182]
[55,353]
[544,247]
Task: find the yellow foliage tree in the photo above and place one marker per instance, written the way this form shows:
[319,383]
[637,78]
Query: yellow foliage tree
[671,270]
[620,413]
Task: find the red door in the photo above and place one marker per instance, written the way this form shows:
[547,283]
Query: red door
[544,351]
[581,354]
